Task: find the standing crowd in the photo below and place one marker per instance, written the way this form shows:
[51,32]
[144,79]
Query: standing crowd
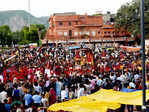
[39,77]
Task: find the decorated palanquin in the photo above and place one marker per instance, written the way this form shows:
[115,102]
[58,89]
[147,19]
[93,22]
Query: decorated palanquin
[84,56]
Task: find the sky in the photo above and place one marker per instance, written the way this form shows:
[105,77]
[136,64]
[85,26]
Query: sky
[48,7]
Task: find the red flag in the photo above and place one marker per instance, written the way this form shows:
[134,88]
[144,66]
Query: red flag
[21,73]
[46,65]
[103,54]
[101,69]
[71,69]
[16,73]
[67,73]
[50,66]
[31,75]
[25,71]
[51,72]
[5,76]
[107,68]
[118,66]
[11,75]
[42,69]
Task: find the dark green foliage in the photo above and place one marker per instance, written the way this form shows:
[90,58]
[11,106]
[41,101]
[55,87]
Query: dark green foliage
[27,35]
[5,35]
[128,16]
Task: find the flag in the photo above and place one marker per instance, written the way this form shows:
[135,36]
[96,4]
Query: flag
[11,75]
[25,71]
[21,75]
[31,76]
[107,68]
[5,76]
[101,69]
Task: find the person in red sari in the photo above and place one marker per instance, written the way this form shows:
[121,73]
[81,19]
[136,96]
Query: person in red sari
[52,98]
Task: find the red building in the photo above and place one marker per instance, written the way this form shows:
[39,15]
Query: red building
[70,26]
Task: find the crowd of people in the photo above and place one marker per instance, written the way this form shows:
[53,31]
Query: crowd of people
[38,77]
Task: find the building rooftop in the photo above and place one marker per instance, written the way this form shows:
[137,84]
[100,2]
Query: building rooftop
[64,14]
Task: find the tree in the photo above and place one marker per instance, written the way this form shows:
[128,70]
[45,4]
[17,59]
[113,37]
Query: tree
[34,33]
[34,37]
[41,30]
[24,36]
[128,17]
[6,35]
[27,35]
[16,37]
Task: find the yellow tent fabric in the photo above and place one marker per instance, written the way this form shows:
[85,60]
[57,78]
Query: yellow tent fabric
[111,96]
[100,101]
[84,104]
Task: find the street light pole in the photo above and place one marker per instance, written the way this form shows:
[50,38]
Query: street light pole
[29,9]
[143,56]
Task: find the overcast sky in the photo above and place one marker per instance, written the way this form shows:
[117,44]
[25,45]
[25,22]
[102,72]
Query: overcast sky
[48,7]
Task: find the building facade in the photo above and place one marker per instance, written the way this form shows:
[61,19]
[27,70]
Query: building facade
[70,26]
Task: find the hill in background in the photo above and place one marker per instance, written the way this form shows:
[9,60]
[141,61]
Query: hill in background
[17,19]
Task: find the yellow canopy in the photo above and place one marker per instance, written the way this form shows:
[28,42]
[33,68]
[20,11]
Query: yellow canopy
[100,101]
[84,105]
[111,96]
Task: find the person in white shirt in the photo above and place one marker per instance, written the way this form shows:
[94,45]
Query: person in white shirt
[38,73]
[29,109]
[136,76]
[63,94]
[3,96]
[99,82]
[37,88]
[47,71]
[37,99]
[132,85]
[1,78]
[47,83]
[44,101]
[80,91]
[21,92]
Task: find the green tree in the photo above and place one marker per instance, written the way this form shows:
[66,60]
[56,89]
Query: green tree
[16,37]
[38,32]
[128,17]
[28,35]
[41,30]
[24,36]
[33,34]
[6,35]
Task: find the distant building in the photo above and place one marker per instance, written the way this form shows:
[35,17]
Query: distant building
[108,18]
[71,26]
